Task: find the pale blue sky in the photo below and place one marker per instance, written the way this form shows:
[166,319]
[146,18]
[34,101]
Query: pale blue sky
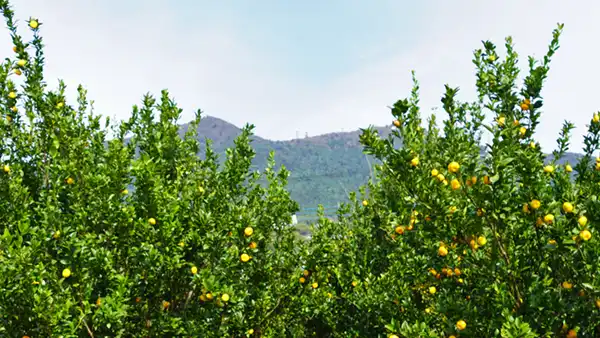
[309,66]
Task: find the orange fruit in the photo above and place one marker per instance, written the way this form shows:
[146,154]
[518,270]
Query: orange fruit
[453,167]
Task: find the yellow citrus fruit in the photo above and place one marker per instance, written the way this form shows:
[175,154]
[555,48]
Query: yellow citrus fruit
[315,285]
[486,179]
[365,203]
[596,118]
[392,336]
[354,283]
[567,207]
[526,208]
[501,121]
[552,242]
[481,240]
[12,95]
[480,212]
[98,301]
[202,298]
[194,270]
[572,334]
[549,169]
[582,221]
[473,244]
[225,297]
[124,191]
[453,167]
[549,218]
[306,273]
[585,235]
[6,168]
[532,145]
[244,258]
[455,184]
[248,232]
[461,325]
[151,221]
[66,273]
[399,230]
[535,204]
[474,180]
[597,302]
[252,245]
[567,285]
[524,106]
[441,177]
[250,332]
[302,280]
[209,296]
[522,131]
[432,290]
[452,209]
[414,162]
[457,271]
[568,168]
[434,172]
[396,123]
[70,181]
[18,72]
[33,24]
[56,234]
[15,49]
[442,251]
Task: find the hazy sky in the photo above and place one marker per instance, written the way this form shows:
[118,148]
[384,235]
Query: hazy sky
[310,66]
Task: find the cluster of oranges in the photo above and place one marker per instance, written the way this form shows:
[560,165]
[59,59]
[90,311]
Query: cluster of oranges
[305,275]
[548,219]
[207,296]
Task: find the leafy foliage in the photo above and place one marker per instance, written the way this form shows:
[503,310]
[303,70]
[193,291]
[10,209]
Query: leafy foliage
[443,242]
[83,255]
[450,239]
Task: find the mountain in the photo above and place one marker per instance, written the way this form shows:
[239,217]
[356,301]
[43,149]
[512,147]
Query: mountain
[323,168]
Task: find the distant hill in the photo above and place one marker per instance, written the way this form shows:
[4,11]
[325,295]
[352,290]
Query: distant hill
[323,168]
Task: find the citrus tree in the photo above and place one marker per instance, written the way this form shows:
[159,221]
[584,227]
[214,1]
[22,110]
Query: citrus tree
[458,239]
[136,235]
